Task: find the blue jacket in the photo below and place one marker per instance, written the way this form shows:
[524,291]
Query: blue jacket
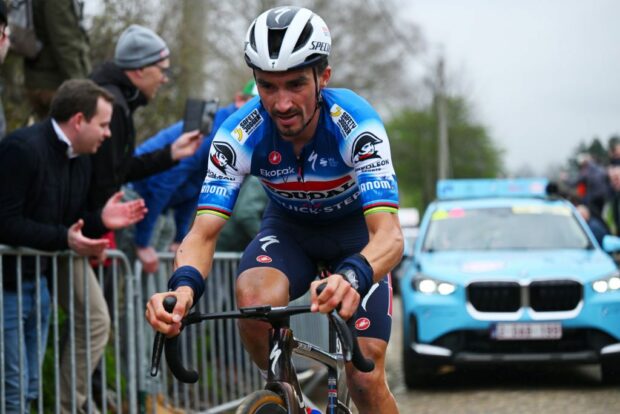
[178,187]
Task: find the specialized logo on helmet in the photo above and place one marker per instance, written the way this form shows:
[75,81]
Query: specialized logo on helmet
[281,17]
[364,147]
[223,156]
[345,122]
[247,125]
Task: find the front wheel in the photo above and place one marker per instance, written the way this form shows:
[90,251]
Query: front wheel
[262,402]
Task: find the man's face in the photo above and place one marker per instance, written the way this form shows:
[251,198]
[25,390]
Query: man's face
[290,99]
[91,134]
[153,76]
[5,42]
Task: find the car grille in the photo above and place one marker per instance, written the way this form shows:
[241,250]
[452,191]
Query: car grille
[541,296]
[495,296]
[555,295]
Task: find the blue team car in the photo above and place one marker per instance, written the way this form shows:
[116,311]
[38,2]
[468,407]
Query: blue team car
[504,273]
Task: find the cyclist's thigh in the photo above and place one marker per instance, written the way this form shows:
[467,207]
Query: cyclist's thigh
[274,247]
[373,318]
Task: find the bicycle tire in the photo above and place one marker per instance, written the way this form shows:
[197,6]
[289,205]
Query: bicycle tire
[262,402]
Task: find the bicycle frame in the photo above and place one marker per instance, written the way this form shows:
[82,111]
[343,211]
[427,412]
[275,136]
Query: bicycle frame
[282,377]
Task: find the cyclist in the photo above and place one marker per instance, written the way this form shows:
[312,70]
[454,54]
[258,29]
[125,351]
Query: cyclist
[323,158]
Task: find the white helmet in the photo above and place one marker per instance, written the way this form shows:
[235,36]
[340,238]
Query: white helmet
[286,38]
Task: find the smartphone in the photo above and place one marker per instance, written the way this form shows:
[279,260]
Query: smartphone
[192,119]
[208,115]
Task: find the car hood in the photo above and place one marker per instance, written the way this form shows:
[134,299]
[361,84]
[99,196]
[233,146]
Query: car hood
[464,267]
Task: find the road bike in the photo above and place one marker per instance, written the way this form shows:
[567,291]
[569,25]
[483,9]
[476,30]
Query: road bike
[282,392]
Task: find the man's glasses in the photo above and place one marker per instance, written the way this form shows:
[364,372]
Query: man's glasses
[165,71]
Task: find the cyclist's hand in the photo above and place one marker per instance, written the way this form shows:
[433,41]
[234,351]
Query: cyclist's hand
[338,291]
[164,322]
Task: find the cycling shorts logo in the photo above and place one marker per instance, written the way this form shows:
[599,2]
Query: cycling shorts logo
[275,157]
[263,259]
[362,324]
[223,156]
[364,147]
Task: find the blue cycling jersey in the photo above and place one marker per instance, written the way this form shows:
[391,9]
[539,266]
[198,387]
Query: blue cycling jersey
[345,168]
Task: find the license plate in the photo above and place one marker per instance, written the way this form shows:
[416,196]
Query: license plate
[526,331]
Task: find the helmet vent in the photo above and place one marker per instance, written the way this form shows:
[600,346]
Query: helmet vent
[304,37]
[275,42]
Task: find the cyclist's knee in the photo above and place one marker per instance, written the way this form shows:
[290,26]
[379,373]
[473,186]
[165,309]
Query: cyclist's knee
[262,286]
[369,385]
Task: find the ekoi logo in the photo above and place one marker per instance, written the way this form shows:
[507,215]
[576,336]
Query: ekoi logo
[362,324]
[222,156]
[364,147]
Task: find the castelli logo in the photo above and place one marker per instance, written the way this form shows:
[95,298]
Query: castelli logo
[362,324]
[263,259]
[275,157]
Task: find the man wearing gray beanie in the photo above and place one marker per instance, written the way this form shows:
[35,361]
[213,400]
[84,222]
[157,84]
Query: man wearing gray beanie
[140,67]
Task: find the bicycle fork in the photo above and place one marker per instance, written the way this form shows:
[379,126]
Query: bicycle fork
[281,377]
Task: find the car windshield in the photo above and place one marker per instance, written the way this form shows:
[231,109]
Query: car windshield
[520,227]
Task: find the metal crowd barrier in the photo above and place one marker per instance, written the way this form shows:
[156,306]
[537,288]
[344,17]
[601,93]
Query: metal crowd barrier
[214,348]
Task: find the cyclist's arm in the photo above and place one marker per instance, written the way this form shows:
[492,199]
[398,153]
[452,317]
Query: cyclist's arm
[196,250]
[385,246]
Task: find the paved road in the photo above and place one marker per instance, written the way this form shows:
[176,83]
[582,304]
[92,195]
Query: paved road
[491,391]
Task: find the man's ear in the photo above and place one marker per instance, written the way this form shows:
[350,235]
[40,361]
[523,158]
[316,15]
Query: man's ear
[77,120]
[325,77]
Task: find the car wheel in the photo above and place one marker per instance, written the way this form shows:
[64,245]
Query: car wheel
[418,373]
[610,372]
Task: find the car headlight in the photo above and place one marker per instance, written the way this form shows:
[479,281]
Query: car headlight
[432,286]
[608,284]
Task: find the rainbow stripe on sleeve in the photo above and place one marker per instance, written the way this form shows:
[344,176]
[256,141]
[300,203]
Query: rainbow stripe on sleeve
[225,214]
[384,207]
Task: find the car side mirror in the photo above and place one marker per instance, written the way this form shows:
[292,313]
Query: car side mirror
[611,244]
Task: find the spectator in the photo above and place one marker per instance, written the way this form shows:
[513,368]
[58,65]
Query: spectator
[59,25]
[44,180]
[596,224]
[614,199]
[5,43]
[176,189]
[592,185]
[614,150]
[139,68]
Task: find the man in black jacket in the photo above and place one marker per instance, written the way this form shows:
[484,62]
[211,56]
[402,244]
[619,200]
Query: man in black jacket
[139,68]
[44,182]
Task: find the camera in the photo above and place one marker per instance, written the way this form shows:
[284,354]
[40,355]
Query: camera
[199,114]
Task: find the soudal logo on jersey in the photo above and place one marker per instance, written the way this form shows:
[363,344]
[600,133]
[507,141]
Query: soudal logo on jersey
[364,148]
[223,156]
[345,122]
[247,125]
[322,46]
[312,190]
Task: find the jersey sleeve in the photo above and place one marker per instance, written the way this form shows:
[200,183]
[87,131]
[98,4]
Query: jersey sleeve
[229,163]
[367,150]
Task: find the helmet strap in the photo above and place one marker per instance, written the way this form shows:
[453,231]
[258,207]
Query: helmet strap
[319,98]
